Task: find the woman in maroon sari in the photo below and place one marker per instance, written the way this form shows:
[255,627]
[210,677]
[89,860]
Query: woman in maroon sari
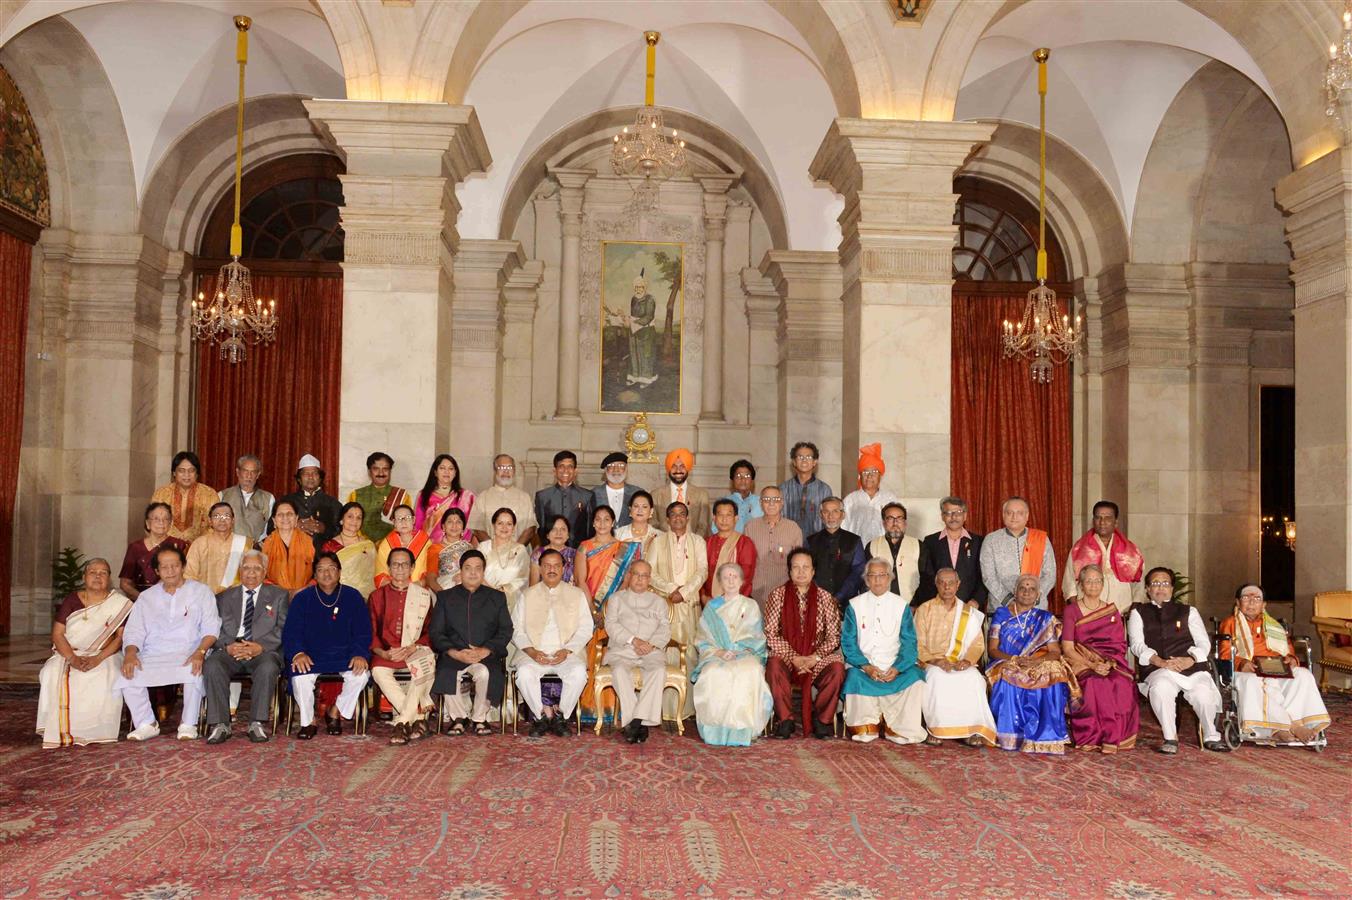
[1094,643]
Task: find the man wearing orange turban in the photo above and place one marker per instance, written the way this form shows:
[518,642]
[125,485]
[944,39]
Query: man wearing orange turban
[678,489]
[864,507]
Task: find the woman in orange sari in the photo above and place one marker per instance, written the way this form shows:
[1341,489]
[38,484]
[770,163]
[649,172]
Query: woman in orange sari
[601,568]
[290,552]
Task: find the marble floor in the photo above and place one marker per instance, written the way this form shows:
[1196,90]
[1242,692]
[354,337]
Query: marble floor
[21,657]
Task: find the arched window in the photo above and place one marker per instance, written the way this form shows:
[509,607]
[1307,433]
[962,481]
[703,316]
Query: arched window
[997,237]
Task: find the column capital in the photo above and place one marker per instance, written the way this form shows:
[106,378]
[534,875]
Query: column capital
[895,156]
[1318,199]
[384,138]
[488,257]
[803,274]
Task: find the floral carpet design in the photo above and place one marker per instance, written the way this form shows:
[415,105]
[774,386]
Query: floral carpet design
[511,816]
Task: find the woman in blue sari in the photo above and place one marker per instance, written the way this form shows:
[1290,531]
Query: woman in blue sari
[732,698]
[1030,683]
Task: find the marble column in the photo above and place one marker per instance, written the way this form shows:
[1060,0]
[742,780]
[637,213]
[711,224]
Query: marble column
[716,189]
[764,323]
[809,357]
[403,162]
[896,178]
[482,268]
[520,301]
[572,183]
[1318,200]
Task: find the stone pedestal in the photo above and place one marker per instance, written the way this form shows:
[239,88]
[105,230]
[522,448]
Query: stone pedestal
[403,162]
[1318,200]
[896,178]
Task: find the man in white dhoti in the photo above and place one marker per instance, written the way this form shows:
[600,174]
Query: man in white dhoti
[884,686]
[680,566]
[170,629]
[1286,708]
[1171,646]
[551,625]
[639,627]
[949,644]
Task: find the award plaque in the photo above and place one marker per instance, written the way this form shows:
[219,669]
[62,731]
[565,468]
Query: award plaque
[1272,667]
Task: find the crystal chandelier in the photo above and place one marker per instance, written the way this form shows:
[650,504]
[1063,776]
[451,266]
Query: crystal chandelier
[644,149]
[1338,78]
[1044,335]
[234,317]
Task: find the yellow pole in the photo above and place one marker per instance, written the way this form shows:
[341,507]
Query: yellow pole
[1041,55]
[649,84]
[242,24]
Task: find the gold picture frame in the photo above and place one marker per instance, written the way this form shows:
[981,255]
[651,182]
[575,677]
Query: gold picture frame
[641,333]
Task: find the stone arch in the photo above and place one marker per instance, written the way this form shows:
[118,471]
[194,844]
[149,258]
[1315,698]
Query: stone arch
[80,123]
[712,148]
[1081,208]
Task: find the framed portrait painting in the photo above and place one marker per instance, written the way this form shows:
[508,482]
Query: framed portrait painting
[642,310]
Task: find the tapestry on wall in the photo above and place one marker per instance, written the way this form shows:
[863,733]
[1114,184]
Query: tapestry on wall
[23,168]
[641,324]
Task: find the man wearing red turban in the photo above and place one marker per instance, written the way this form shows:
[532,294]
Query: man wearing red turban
[864,507]
[678,489]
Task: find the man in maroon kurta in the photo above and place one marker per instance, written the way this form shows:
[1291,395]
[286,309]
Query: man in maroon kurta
[400,613]
[802,629]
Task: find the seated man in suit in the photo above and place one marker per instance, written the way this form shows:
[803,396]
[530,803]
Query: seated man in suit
[639,627]
[953,548]
[552,624]
[253,615]
[471,628]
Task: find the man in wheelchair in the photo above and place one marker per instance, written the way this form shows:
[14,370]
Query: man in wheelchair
[1278,698]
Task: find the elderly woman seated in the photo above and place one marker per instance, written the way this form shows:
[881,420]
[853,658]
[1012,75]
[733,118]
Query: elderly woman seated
[732,699]
[1030,683]
[78,704]
[1278,698]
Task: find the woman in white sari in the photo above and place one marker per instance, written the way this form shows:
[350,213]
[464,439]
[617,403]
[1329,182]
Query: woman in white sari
[732,699]
[78,704]
[508,563]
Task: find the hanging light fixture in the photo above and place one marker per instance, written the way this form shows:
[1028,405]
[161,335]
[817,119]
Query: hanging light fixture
[1044,335]
[1338,77]
[234,317]
[645,149]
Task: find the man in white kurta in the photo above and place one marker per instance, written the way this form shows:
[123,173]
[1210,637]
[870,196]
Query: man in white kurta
[167,635]
[638,626]
[551,626]
[949,643]
[1171,645]
[864,507]
[884,686]
[900,550]
[680,566]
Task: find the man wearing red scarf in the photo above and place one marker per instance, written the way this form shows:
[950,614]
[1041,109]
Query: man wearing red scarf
[1106,547]
[802,629]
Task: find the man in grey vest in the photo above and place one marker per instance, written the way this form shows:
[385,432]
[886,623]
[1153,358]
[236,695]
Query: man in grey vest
[252,505]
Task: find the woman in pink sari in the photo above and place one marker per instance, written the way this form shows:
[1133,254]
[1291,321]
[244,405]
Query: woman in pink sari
[441,491]
[1094,643]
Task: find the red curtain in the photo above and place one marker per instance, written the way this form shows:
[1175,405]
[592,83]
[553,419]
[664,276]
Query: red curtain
[16,259]
[282,402]
[1010,435]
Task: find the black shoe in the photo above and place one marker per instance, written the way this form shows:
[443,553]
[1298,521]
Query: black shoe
[822,732]
[642,733]
[558,725]
[334,726]
[1216,746]
[540,728]
[1169,747]
[784,730]
[631,732]
[307,732]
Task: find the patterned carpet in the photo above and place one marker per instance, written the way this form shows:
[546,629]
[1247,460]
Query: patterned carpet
[511,816]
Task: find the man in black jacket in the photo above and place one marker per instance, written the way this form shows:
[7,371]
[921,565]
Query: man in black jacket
[838,555]
[471,628]
[953,548]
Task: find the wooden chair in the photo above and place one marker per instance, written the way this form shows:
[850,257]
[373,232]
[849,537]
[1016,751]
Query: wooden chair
[1333,619]
[511,695]
[358,718]
[677,679]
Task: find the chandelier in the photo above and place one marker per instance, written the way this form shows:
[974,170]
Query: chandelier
[645,149]
[1338,78]
[1044,335]
[234,317]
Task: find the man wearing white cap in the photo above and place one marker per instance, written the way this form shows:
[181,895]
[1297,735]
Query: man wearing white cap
[319,512]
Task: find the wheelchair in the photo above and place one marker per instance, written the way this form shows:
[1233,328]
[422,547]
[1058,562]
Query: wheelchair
[1223,672]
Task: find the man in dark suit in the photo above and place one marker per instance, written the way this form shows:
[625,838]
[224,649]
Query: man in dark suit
[252,615]
[616,492]
[470,630]
[838,555]
[565,497]
[953,548]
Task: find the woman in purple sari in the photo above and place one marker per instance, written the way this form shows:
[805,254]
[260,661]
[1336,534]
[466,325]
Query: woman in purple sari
[1094,641]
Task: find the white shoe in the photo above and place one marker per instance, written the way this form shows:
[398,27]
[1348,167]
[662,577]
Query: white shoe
[145,732]
[187,732]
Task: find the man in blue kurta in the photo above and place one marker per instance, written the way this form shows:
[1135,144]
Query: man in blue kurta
[884,686]
[328,631]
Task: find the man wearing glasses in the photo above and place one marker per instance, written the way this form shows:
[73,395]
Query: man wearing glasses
[953,548]
[214,558]
[504,493]
[803,492]
[900,551]
[774,537]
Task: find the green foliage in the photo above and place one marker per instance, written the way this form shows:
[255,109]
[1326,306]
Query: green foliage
[67,573]
[1182,587]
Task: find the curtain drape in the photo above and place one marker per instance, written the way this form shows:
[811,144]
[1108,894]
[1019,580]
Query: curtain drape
[1010,435]
[16,260]
[282,402]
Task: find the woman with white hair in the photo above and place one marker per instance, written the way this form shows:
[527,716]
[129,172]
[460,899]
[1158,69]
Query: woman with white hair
[732,698]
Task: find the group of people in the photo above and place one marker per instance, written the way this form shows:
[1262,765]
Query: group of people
[441,596]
